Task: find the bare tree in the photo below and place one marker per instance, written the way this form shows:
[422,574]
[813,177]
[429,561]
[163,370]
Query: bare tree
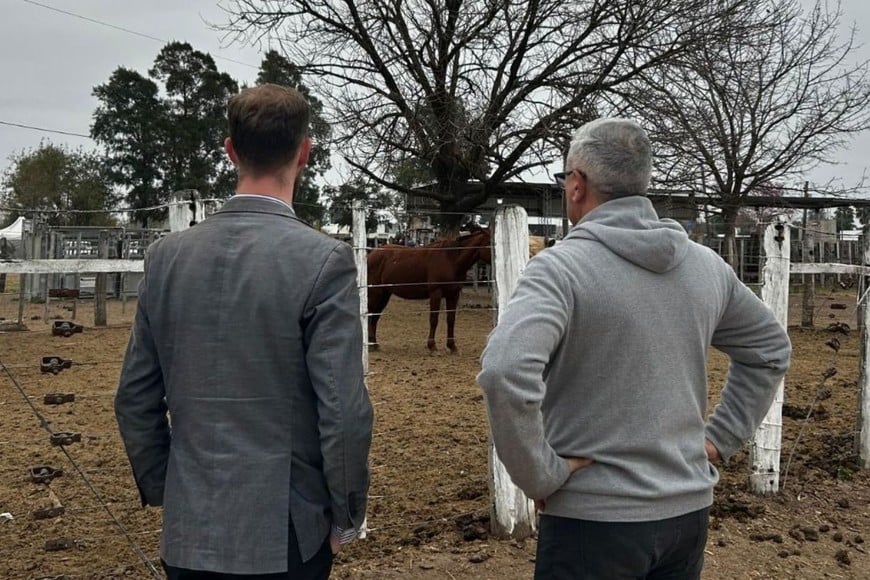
[775,97]
[478,90]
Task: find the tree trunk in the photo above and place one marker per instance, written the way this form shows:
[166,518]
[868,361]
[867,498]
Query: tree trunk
[461,203]
[729,217]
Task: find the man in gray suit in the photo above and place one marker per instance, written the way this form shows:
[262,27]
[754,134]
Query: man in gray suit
[247,335]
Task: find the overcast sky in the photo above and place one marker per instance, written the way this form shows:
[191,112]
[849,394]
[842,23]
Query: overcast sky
[50,62]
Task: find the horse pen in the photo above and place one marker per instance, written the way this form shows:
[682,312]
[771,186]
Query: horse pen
[71,510]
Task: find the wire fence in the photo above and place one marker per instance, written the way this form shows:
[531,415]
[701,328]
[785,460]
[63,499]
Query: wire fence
[62,440]
[409,491]
[441,497]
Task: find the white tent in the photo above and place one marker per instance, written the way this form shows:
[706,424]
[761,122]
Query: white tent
[14,231]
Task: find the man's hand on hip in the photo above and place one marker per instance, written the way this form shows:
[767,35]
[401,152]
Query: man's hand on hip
[712,453]
[574,464]
[577,463]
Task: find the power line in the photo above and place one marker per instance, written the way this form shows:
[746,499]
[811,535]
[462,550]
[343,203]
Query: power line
[44,130]
[122,29]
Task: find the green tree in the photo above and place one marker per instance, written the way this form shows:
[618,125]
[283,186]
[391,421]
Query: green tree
[196,102]
[165,133]
[130,123]
[54,180]
[277,69]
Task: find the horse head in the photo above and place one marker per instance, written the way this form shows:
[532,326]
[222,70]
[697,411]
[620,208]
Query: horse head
[481,240]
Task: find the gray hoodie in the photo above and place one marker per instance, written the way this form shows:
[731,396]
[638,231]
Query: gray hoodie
[602,353]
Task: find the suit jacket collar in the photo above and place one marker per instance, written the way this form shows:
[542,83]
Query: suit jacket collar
[256,204]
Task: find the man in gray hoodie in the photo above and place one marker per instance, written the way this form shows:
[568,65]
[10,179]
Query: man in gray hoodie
[595,377]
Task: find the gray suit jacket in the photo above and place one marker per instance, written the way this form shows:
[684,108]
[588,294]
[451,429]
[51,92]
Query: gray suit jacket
[247,332]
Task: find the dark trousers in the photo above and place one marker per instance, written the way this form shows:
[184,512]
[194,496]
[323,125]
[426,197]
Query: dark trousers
[317,568]
[670,549]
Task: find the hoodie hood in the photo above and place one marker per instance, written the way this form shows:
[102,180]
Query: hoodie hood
[631,228]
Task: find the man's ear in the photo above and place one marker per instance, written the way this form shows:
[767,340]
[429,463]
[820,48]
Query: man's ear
[304,152]
[231,151]
[577,192]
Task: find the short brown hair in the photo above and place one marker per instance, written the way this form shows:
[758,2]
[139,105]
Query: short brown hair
[267,124]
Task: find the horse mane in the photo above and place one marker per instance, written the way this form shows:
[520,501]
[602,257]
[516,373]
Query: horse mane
[457,241]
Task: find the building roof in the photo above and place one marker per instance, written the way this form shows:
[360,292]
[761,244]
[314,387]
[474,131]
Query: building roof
[545,199]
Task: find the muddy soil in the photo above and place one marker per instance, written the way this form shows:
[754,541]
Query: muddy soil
[428,509]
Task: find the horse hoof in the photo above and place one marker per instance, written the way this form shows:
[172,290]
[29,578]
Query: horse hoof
[374,346]
[431,345]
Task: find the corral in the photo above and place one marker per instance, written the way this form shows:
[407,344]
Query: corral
[430,498]
[428,510]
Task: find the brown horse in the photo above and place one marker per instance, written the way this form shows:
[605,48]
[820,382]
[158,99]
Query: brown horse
[435,271]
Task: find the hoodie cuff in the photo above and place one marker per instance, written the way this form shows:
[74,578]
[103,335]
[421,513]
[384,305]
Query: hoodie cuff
[725,443]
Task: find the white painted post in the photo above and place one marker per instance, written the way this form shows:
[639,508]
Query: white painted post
[360,256]
[766,446]
[862,441]
[512,513]
[180,214]
[205,208]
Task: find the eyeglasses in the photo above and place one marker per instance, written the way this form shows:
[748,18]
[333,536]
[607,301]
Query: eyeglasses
[562,177]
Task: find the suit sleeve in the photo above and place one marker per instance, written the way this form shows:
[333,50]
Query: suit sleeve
[333,343]
[760,353]
[140,407]
[512,378]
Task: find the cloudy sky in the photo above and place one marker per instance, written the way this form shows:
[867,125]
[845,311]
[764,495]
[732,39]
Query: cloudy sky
[50,62]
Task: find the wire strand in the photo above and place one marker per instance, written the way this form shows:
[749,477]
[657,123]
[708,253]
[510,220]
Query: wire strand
[126,30]
[45,425]
[43,129]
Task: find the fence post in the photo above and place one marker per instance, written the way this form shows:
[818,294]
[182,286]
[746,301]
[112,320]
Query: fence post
[764,457]
[512,513]
[360,254]
[100,283]
[809,280]
[182,206]
[24,278]
[205,208]
[862,441]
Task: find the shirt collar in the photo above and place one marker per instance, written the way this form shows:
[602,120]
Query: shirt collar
[266,197]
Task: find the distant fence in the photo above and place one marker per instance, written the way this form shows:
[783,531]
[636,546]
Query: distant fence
[58,269]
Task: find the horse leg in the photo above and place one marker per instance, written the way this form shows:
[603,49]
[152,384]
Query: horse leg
[452,300]
[377,302]
[434,309]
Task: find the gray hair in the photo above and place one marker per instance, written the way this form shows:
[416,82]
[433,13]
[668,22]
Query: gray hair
[616,156]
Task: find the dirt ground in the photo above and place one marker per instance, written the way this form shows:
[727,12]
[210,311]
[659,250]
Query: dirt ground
[428,509]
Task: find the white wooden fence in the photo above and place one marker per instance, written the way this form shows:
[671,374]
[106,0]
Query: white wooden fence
[767,443]
[184,210]
[512,512]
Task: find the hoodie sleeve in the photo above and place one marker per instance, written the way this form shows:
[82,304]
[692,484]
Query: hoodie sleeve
[760,353]
[529,330]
